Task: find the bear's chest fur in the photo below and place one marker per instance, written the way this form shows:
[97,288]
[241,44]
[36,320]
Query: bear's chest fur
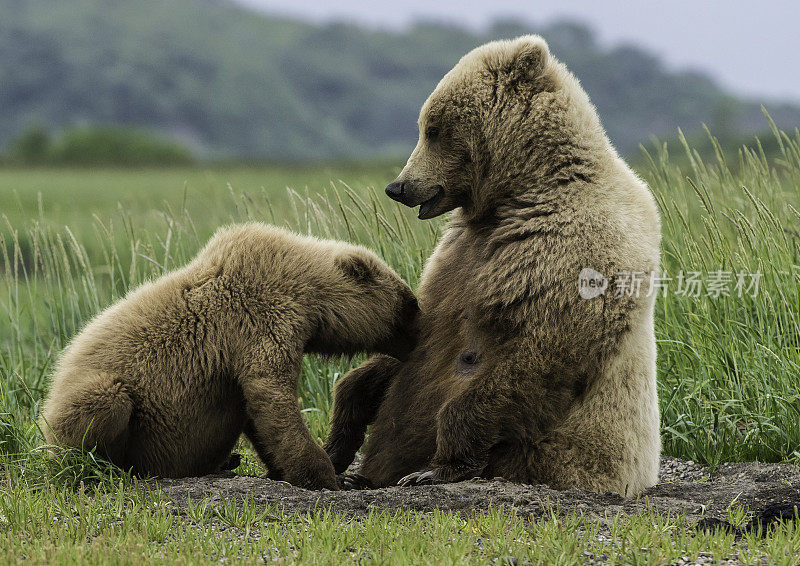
[448,288]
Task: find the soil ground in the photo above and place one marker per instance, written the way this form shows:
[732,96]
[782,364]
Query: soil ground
[765,490]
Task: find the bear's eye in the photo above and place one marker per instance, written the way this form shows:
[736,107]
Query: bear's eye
[469,357]
[431,133]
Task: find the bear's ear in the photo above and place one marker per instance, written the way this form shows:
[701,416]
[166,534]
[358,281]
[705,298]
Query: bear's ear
[356,266]
[530,58]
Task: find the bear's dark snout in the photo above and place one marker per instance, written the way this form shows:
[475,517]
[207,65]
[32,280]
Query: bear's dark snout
[412,194]
[396,190]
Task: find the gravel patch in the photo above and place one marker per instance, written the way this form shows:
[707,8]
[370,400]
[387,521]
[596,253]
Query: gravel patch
[767,491]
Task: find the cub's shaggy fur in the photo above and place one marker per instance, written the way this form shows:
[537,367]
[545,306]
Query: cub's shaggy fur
[515,374]
[165,380]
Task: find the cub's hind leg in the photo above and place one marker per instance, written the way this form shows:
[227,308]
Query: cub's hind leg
[91,414]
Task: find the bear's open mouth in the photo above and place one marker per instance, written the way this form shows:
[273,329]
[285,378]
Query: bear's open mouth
[426,208]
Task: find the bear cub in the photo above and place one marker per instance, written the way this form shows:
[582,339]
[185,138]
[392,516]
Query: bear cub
[165,380]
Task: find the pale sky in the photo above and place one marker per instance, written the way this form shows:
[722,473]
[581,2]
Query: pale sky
[751,47]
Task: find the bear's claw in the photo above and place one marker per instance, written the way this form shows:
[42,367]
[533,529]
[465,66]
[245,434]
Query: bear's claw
[421,478]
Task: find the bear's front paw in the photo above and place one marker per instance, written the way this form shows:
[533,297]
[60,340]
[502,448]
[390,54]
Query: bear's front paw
[441,474]
[428,477]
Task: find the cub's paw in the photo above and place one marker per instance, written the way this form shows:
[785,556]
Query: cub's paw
[341,461]
[314,479]
[354,482]
[311,470]
[321,483]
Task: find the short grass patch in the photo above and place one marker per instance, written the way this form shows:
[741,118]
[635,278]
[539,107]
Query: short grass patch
[129,521]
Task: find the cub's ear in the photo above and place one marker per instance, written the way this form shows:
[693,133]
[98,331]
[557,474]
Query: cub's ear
[356,266]
[529,57]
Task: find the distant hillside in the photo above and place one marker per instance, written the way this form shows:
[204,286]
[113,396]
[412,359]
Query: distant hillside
[231,82]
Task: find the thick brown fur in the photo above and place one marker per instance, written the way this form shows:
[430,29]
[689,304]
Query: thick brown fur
[515,374]
[165,380]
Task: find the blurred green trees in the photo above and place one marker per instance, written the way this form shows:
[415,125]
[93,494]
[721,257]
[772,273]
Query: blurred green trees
[84,146]
[32,148]
[236,83]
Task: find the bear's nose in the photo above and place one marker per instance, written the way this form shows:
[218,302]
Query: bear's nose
[396,190]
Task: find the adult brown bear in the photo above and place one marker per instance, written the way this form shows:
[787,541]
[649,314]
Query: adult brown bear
[518,372]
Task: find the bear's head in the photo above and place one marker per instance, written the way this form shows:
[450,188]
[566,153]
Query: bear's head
[370,308]
[474,125]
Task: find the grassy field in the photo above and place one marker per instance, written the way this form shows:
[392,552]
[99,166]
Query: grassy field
[80,198]
[72,241]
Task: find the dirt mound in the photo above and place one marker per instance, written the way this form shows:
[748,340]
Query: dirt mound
[684,488]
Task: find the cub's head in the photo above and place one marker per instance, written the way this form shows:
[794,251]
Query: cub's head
[466,122]
[371,309]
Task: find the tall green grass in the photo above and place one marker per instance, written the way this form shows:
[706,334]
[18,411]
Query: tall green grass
[729,367]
